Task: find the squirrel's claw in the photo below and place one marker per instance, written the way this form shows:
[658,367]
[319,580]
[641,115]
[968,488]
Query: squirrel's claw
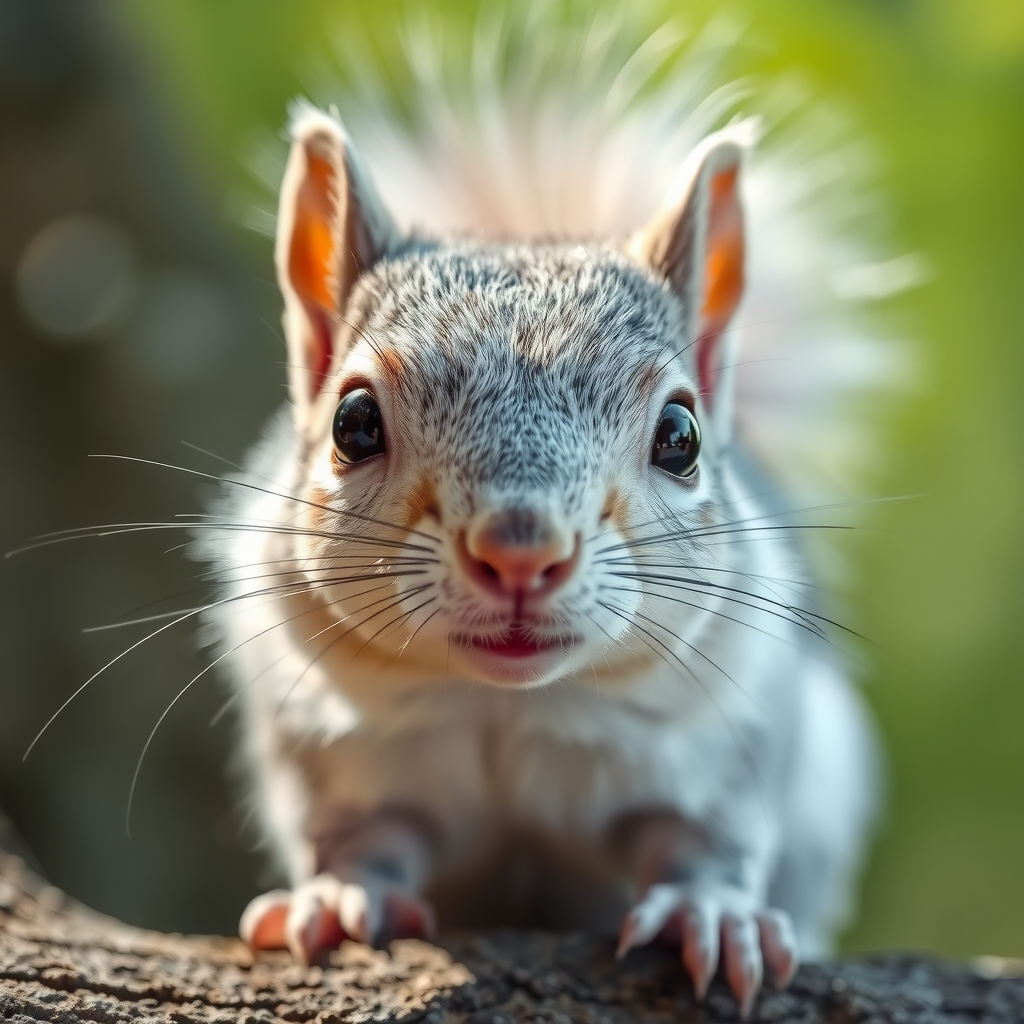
[699,946]
[262,924]
[322,912]
[709,926]
[778,944]
[741,958]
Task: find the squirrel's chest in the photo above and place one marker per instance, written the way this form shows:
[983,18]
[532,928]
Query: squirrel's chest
[555,765]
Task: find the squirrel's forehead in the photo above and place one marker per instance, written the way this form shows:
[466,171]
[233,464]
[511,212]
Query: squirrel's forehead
[536,308]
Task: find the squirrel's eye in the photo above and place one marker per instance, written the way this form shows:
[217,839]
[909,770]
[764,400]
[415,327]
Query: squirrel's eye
[358,430]
[676,441]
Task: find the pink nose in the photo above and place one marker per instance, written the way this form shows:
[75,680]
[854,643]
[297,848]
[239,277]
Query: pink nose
[518,553]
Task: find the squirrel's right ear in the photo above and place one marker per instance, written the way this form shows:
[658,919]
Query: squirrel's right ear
[331,227]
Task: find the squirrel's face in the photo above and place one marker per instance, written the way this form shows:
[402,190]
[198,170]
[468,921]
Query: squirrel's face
[506,423]
[495,436]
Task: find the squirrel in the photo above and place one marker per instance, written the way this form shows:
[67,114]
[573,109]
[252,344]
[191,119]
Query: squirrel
[502,603]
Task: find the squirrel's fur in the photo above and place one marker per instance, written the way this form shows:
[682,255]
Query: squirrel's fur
[692,753]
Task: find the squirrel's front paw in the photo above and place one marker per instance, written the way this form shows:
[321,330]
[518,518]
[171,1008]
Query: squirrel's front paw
[703,920]
[323,911]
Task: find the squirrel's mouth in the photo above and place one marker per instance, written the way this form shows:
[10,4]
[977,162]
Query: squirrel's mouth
[516,642]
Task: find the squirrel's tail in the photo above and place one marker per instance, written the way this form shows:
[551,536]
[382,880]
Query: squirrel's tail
[549,120]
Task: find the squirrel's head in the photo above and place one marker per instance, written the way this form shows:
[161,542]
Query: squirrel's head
[504,445]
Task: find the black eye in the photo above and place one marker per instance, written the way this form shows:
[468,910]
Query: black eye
[358,430]
[676,441]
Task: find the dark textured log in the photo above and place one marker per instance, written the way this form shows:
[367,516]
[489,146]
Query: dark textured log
[61,962]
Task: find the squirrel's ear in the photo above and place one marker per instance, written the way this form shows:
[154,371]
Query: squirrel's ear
[696,242]
[331,227]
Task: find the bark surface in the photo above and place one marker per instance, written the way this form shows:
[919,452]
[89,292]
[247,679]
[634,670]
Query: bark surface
[61,962]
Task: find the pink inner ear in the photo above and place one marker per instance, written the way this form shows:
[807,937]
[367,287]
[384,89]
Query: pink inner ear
[318,355]
[707,365]
[313,257]
[723,274]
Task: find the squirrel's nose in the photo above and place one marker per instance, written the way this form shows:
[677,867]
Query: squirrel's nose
[518,552]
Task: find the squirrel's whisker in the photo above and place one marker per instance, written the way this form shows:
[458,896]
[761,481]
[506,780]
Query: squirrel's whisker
[810,627]
[742,747]
[117,529]
[696,650]
[276,625]
[625,562]
[404,617]
[718,613]
[215,575]
[412,593]
[686,533]
[401,650]
[300,586]
[723,591]
[289,590]
[165,713]
[649,636]
[263,490]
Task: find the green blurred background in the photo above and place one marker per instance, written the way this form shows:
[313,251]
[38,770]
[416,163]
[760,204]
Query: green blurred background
[143,114]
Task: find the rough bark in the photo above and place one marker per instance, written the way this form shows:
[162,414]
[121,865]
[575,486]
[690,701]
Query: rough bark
[64,963]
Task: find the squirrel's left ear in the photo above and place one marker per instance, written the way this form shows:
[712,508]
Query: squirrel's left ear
[696,242]
[331,228]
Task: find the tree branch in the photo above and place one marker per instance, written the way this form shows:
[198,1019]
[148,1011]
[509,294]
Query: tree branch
[64,963]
